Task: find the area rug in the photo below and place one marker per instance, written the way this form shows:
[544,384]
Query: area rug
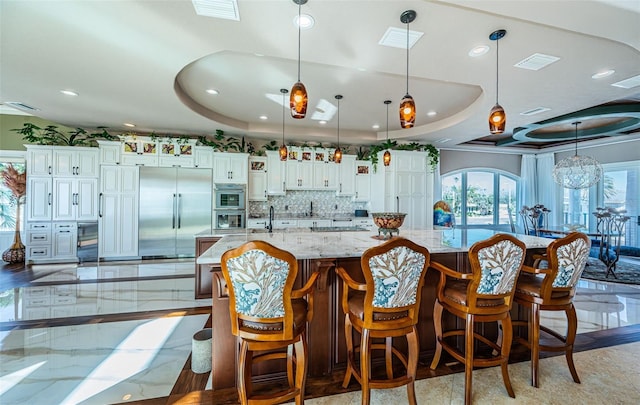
[626,273]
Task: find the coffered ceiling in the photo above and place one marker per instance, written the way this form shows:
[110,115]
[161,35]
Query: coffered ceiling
[150,63]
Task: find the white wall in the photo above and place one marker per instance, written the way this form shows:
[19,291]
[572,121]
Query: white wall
[616,152]
[452,160]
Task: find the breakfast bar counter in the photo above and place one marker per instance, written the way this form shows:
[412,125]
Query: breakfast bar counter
[322,252]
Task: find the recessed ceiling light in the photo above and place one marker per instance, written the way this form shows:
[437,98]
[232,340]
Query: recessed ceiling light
[322,122]
[212,91]
[603,74]
[68,92]
[259,54]
[376,126]
[263,117]
[431,114]
[126,124]
[443,140]
[361,69]
[304,20]
[478,51]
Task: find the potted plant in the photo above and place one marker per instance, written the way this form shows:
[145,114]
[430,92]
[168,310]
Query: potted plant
[16,182]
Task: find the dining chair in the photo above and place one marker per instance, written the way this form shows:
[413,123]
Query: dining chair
[268,315]
[610,227]
[484,295]
[552,289]
[385,306]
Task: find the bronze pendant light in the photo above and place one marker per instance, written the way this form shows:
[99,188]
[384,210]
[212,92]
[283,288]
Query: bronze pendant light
[386,158]
[337,155]
[283,147]
[407,105]
[298,99]
[497,116]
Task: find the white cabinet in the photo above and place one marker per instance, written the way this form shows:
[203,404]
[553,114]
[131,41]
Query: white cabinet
[39,160]
[109,152]
[346,176]
[118,212]
[284,223]
[257,223]
[325,175]
[75,199]
[276,174]
[38,243]
[299,175]
[76,161]
[230,167]
[65,238]
[364,223]
[363,181]
[203,157]
[257,190]
[176,153]
[408,188]
[314,223]
[39,198]
[139,151]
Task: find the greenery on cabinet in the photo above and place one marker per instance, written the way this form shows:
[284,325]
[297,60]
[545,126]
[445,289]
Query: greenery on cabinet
[433,154]
[50,135]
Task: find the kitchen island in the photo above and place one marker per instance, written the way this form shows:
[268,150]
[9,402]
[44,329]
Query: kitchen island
[322,252]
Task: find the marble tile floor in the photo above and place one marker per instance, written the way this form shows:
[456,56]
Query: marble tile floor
[119,332]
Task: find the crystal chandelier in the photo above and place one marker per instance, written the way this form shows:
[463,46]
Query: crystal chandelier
[577,171]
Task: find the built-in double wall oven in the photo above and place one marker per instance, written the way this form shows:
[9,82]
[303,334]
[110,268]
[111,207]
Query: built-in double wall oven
[229,206]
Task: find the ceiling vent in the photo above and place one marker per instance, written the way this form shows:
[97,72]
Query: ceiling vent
[628,83]
[227,9]
[397,38]
[536,61]
[535,111]
[21,106]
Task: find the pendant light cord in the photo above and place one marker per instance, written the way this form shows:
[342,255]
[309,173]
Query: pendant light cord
[576,124]
[299,10]
[283,108]
[407,58]
[387,122]
[338,123]
[497,53]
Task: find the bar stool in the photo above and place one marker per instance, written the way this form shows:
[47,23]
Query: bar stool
[267,315]
[484,295]
[552,289]
[385,306]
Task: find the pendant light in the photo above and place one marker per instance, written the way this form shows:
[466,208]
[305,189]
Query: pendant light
[337,155]
[407,105]
[386,158]
[576,171]
[497,116]
[283,147]
[299,98]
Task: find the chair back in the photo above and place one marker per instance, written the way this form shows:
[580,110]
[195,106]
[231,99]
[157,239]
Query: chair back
[260,279]
[534,219]
[394,274]
[496,263]
[567,258]
[610,226]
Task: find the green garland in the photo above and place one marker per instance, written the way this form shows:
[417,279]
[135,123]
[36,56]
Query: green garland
[433,154]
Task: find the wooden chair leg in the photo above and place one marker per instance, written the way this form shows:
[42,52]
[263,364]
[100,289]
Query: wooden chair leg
[290,357]
[572,326]
[365,355]
[437,325]
[301,368]
[534,341]
[412,364]
[388,357]
[505,349]
[348,333]
[244,373]
[468,358]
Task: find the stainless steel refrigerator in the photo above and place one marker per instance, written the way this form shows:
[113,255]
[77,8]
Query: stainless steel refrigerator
[175,204]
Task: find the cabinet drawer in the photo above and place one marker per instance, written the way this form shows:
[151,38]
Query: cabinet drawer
[285,223]
[38,302]
[64,299]
[65,226]
[39,226]
[39,252]
[33,292]
[38,238]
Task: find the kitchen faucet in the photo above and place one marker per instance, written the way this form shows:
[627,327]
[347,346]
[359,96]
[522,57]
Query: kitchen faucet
[270,226]
[311,210]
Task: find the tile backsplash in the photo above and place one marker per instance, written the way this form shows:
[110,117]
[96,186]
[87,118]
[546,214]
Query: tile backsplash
[298,203]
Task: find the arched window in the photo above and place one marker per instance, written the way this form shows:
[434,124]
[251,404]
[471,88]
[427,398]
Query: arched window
[482,198]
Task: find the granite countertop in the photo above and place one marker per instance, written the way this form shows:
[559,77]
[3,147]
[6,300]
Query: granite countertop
[311,245]
[314,217]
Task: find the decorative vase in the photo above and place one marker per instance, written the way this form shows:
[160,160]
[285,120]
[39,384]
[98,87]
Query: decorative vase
[15,253]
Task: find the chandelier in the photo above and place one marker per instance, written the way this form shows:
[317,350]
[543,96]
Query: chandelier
[577,171]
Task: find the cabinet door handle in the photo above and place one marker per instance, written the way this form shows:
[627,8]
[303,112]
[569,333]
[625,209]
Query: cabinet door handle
[100,198]
[50,170]
[39,237]
[49,199]
[178,209]
[173,220]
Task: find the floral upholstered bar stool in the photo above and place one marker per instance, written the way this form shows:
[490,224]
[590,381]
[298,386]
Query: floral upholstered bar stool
[484,295]
[268,315]
[552,289]
[385,306]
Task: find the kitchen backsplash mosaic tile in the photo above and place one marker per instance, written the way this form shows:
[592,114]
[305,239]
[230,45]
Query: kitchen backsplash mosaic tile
[299,203]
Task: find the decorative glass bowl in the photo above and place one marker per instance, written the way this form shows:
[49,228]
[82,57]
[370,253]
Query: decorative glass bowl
[388,222]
